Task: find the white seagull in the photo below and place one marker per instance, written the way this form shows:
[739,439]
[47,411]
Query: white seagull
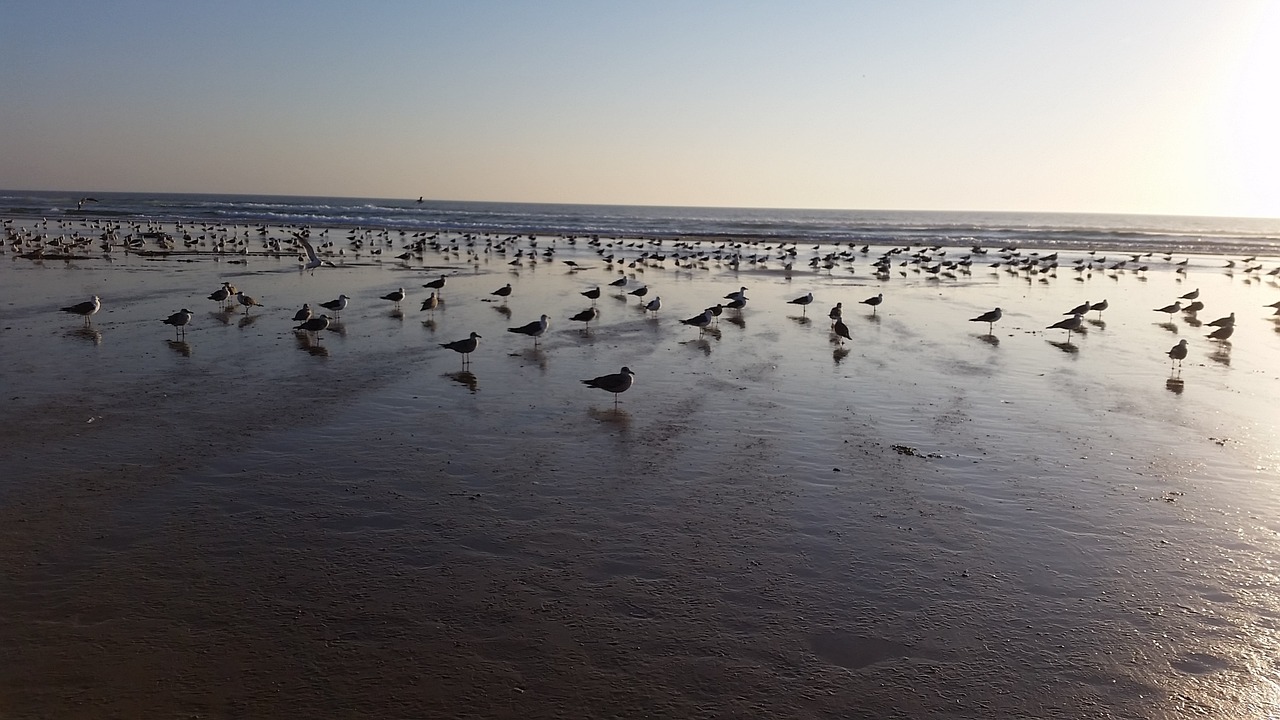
[85,309]
[534,329]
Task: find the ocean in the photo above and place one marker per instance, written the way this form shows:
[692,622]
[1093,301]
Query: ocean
[1125,233]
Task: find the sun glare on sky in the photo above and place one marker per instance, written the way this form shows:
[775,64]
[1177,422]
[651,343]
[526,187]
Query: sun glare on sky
[1250,118]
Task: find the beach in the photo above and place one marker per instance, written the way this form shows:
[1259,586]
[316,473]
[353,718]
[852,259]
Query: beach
[936,518]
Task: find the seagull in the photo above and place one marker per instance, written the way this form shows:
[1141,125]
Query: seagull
[873,302]
[80,203]
[989,318]
[534,329]
[395,297]
[304,314]
[1178,352]
[593,293]
[1099,306]
[503,292]
[842,331]
[620,282]
[222,293]
[1080,309]
[337,306]
[586,316]
[1195,307]
[737,303]
[616,383]
[466,347]
[1224,321]
[1191,295]
[247,302]
[700,321]
[1170,309]
[1222,333]
[313,262]
[741,293]
[1071,324]
[803,301]
[436,284]
[314,325]
[85,309]
[431,303]
[179,321]
[640,292]
[836,312]
[653,305]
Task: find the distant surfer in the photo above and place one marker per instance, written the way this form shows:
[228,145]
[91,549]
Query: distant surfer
[419,198]
[83,200]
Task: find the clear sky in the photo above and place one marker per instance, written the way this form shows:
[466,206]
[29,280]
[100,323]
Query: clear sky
[1143,106]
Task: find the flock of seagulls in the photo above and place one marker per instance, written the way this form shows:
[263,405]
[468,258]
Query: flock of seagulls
[632,257]
[229,296]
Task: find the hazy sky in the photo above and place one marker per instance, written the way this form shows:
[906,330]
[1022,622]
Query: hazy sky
[1148,106]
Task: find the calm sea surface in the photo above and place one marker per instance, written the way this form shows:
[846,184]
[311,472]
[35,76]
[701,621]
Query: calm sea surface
[1039,230]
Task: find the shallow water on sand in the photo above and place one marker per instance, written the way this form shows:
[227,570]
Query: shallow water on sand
[929,521]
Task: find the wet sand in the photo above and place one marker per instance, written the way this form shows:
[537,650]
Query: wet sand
[928,522]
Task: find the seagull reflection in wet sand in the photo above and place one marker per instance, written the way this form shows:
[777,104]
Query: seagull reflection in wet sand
[465,377]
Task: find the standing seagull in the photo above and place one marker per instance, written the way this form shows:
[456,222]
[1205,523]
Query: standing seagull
[534,329]
[740,293]
[1224,321]
[803,301]
[842,331]
[247,302]
[179,321]
[304,314]
[874,302]
[85,309]
[989,318]
[314,326]
[1170,309]
[503,292]
[1191,295]
[1222,333]
[616,383]
[586,316]
[436,285]
[836,313]
[700,321]
[1071,324]
[431,303]
[1099,306]
[395,297]
[593,293]
[222,294]
[466,347]
[653,305]
[1178,353]
[1080,309]
[640,292]
[337,306]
